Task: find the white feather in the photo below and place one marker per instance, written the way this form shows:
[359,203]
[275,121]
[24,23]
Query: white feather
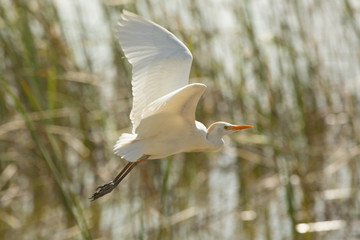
[129,148]
[170,111]
[161,63]
[164,104]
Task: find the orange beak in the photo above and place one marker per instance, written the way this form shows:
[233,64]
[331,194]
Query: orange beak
[239,127]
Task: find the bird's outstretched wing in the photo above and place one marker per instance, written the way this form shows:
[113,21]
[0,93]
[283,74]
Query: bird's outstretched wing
[174,110]
[182,102]
[160,62]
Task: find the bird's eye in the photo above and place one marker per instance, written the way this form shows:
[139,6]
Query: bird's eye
[226,127]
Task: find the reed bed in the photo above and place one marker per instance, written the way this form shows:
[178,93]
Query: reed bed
[291,69]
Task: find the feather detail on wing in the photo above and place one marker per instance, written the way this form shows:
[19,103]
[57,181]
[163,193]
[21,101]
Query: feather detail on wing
[161,63]
[129,148]
[179,104]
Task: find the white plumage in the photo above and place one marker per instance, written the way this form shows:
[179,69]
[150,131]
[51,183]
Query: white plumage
[160,62]
[164,104]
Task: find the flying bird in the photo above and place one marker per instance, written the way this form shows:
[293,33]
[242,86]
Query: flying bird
[164,103]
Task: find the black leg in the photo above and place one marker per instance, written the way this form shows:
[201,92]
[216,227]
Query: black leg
[107,188]
[119,178]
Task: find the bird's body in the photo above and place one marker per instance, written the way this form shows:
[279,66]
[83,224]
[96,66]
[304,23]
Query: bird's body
[170,141]
[164,103]
[167,128]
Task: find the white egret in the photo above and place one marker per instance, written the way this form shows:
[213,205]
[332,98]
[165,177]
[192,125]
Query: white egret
[164,103]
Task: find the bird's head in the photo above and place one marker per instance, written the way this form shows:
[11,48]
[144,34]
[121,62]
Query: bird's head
[220,129]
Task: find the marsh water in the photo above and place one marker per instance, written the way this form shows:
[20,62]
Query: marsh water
[289,68]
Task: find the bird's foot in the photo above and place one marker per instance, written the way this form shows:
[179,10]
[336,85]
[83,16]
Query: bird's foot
[103,190]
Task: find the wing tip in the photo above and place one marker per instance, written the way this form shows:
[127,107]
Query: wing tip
[198,85]
[125,12]
[128,16]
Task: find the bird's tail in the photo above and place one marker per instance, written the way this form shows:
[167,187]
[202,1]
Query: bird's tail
[129,148]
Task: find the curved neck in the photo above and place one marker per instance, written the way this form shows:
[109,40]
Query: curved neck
[214,139]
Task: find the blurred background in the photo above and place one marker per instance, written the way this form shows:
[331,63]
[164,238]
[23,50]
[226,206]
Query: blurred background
[289,68]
